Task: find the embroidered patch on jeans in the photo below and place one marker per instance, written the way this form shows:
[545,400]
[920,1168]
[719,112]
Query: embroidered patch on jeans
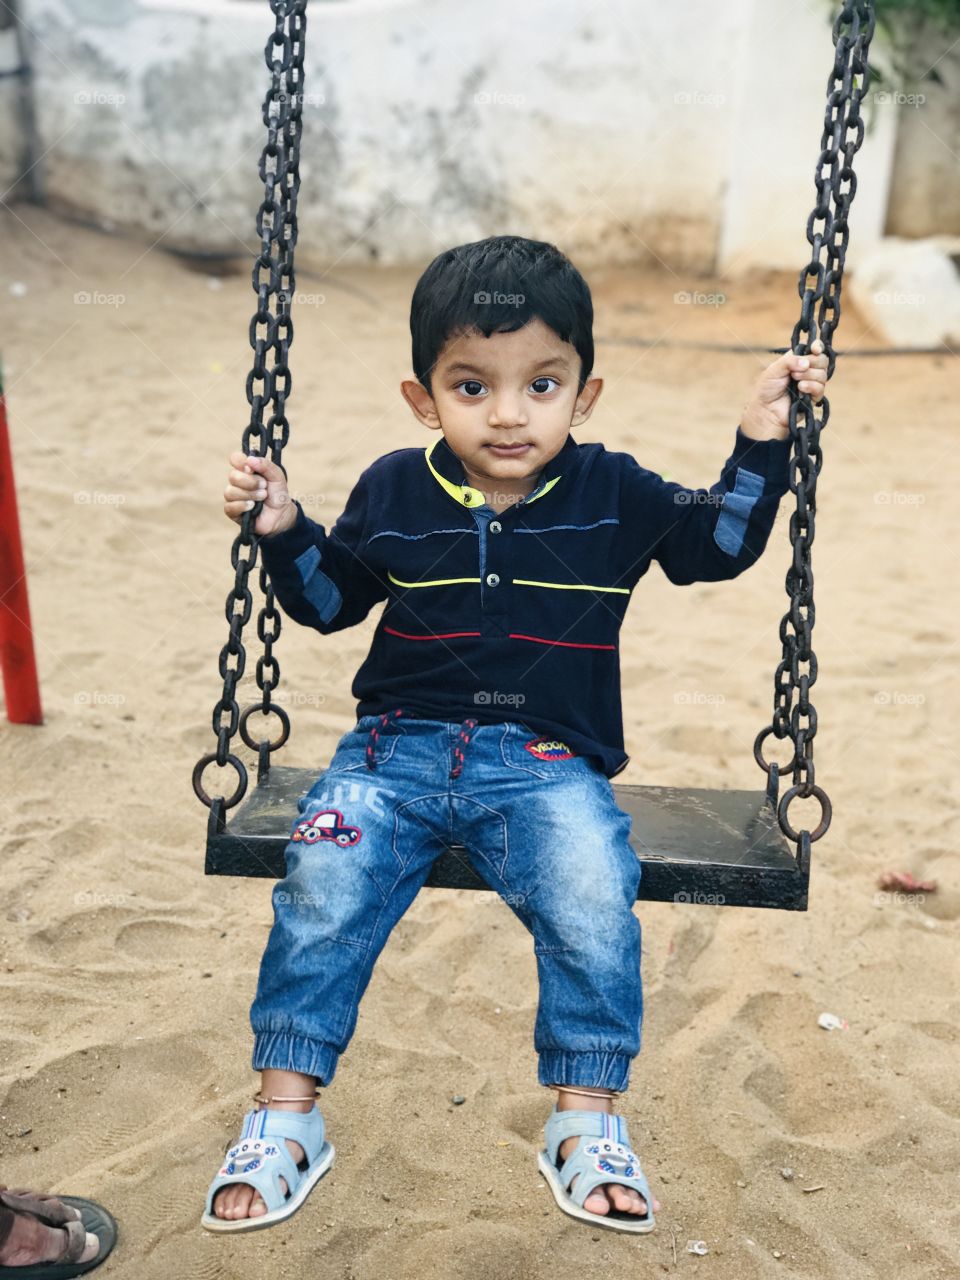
[328,824]
[549,749]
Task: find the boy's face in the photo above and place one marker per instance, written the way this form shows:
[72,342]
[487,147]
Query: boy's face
[511,388]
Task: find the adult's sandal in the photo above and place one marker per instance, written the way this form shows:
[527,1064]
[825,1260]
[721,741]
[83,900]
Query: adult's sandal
[76,1217]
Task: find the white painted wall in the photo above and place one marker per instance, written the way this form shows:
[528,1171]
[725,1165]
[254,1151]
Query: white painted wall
[622,130]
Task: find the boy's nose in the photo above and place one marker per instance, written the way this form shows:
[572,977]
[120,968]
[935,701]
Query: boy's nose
[507,413]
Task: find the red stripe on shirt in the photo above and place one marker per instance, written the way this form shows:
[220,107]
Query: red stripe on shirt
[446,635]
[567,644]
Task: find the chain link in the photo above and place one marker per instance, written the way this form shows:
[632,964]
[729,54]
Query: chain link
[819,283]
[268,388]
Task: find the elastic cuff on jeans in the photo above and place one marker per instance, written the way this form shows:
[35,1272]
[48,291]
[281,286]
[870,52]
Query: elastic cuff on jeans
[282,1051]
[593,1070]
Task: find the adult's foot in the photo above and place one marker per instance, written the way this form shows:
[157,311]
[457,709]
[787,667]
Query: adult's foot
[31,1241]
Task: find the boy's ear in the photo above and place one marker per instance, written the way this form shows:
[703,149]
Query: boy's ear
[586,401]
[421,402]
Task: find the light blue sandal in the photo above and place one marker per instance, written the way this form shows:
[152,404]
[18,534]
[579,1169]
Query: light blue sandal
[261,1158]
[603,1154]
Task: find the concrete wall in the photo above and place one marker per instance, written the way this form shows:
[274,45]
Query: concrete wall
[625,131]
[925,196]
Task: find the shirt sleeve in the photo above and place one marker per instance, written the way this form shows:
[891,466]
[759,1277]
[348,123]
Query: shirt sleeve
[705,535]
[321,579]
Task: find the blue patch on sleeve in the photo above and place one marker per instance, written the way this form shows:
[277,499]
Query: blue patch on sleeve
[318,589]
[735,514]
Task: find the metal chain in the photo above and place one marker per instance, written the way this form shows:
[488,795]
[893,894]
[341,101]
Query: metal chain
[819,282]
[268,386]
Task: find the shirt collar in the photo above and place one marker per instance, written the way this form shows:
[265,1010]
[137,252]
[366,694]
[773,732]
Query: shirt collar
[447,470]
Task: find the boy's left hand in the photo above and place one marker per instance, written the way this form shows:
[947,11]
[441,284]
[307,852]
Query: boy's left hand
[766,415]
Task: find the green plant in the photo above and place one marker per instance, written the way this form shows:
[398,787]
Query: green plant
[906,28]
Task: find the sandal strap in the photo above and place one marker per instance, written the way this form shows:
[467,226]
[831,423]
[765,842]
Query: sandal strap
[51,1211]
[576,1124]
[76,1241]
[305,1127]
[596,1162]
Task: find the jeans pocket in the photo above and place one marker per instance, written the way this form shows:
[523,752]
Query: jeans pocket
[351,750]
[541,755]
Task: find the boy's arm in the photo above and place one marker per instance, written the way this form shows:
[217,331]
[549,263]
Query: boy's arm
[320,578]
[705,535]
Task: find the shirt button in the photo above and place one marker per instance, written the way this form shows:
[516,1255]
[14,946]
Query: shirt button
[492,579]
[495,526]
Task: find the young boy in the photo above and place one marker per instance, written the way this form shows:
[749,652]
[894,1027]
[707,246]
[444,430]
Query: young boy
[488,706]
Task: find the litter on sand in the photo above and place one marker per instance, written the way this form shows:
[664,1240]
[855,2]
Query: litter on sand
[698,1247]
[830,1022]
[905,882]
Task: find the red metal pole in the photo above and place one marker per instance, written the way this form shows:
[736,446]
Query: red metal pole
[16,637]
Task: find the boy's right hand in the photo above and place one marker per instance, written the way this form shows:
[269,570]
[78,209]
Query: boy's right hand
[259,479]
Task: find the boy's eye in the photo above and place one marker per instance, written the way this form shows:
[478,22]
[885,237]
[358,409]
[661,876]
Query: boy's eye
[538,386]
[472,388]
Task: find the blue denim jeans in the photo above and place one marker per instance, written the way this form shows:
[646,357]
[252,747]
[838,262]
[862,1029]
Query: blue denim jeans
[539,824]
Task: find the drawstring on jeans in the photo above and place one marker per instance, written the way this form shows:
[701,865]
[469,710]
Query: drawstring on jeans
[374,735]
[466,732]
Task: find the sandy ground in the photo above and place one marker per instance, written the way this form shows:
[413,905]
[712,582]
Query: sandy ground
[127,975]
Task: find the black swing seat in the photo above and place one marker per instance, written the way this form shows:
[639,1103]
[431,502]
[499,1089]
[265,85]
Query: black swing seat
[721,848]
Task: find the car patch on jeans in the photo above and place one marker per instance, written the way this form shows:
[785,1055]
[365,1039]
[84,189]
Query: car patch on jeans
[327,824]
[549,749]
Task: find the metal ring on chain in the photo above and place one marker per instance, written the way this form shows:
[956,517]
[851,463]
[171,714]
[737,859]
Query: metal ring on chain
[758,754]
[241,788]
[272,709]
[826,812]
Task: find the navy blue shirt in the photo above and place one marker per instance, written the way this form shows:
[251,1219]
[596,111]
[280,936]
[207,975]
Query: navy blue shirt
[516,616]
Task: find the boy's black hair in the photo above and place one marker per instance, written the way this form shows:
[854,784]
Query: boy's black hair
[497,285]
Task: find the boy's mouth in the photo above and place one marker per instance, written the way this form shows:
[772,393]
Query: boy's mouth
[508,450]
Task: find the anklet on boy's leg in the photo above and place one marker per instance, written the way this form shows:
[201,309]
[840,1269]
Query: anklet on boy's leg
[258,1097]
[595,1093]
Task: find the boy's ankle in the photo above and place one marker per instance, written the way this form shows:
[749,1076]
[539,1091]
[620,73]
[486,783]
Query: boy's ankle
[569,1099]
[303,1107]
